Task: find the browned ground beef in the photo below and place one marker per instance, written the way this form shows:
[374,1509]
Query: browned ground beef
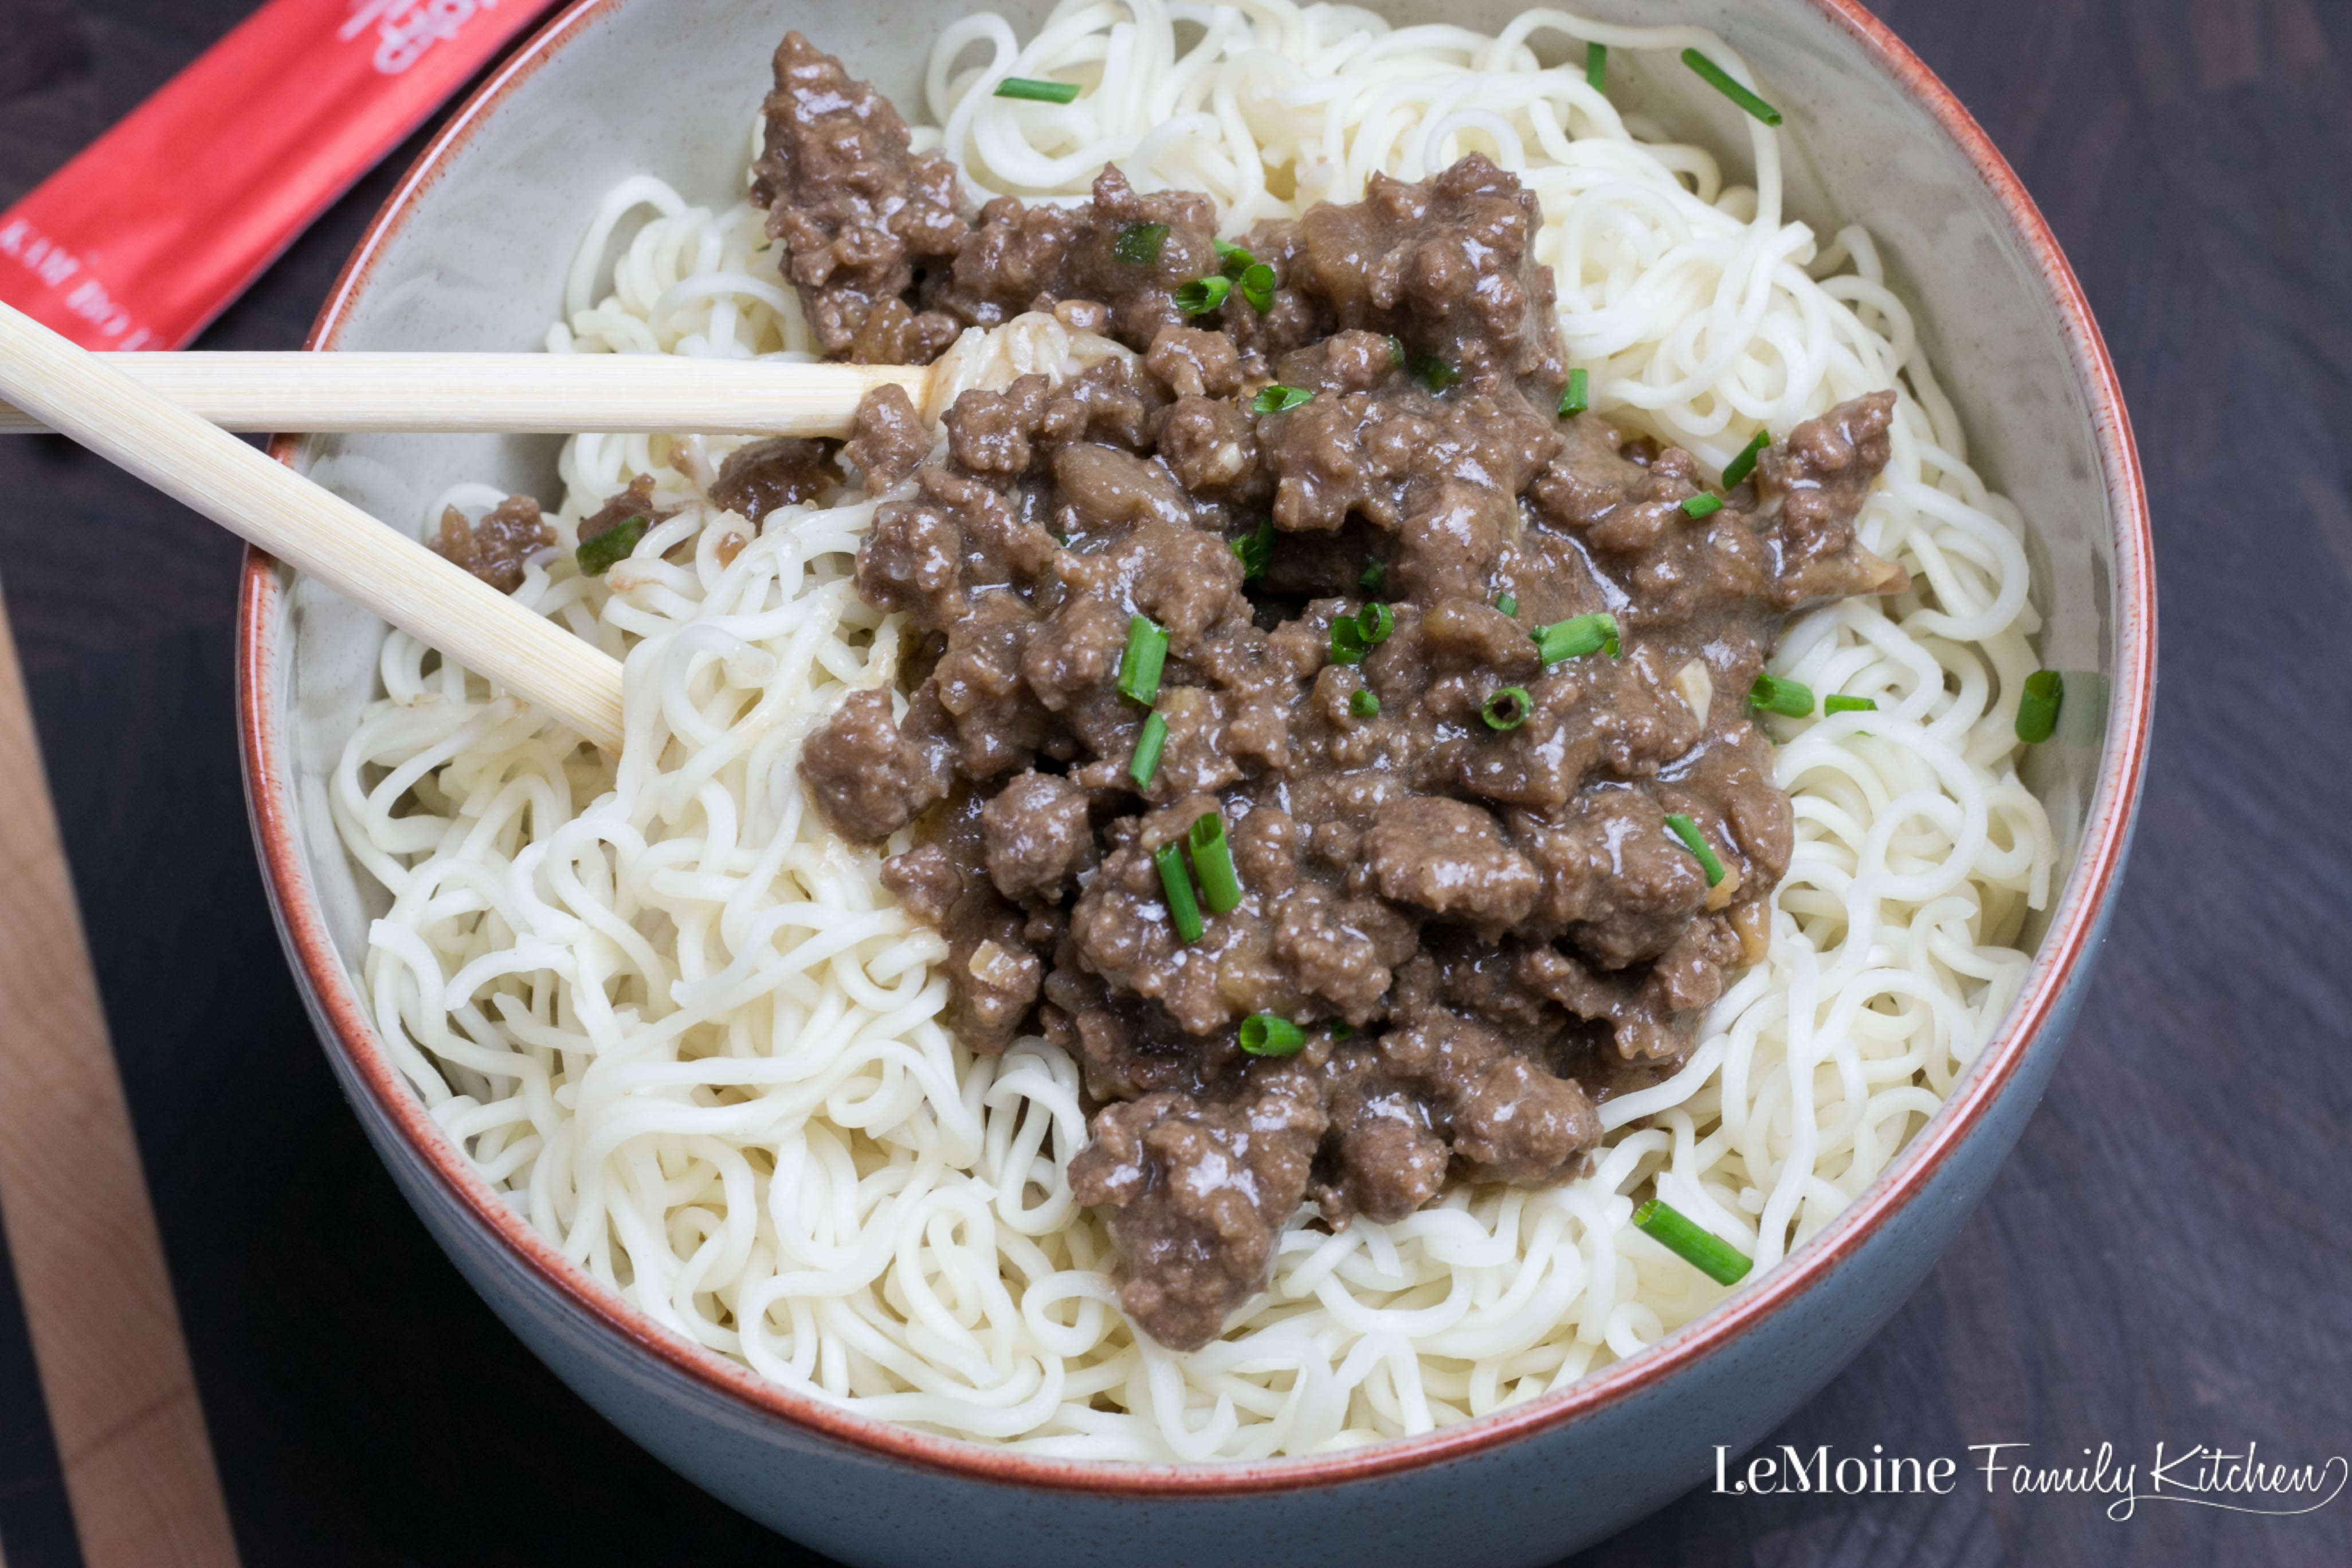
[768,475]
[496,548]
[1482,932]
[634,501]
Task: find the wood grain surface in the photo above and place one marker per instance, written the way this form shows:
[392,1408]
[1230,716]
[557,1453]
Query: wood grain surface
[96,1301]
[2163,1260]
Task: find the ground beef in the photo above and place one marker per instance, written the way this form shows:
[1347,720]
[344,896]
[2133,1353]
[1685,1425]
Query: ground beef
[870,778]
[856,209]
[1482,930]
[1199,1191]
[768,475]
[634,503]
[888,439]
[496,548]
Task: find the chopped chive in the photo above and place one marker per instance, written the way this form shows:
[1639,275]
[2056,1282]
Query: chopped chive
[1596,66]
[1203,295]
[1701,1249]
[1577,395]
[1232,260]
[1577,637]
[1778,694]
[1364,703]
[1702,505]
[1370,578]
[1508,603]
[1257,286]
[1716,76]
[1740,467]
[1146,761]
[1264,1035]
[1147,650]
[1435,374]
[1139,244]
[1341,1029]
[1212,863]
[1347,641]
[1279,399]
[1684,828]
[1849,705]
[598,555]
[1184,911]
[1396,351]
[1037,91]
[2037,708]
[1374,622]
[1507,708]
[1255,549]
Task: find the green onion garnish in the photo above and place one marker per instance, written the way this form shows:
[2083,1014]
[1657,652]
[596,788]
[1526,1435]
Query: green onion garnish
[1138,244]
[1183,911]
[1508,603]
[1374,622]
[1201,295]
[1740,467]
[1258,288]
[1254,550]
[1596,66]
[1232,260]
[1577,395]
[1716,76]
[600,554]
[1037,91]
[2037,708]
[1776,694]
[1347,641]
[1701,1249]
[1364,703]
[1702,506]
[1396,351]
[1435,374]
[1213,862]
[1684,828]
[1507,708]
[1279,399]
[1575,639]
[1264,1035]
[1341,1029]
[1147,650]
[1146,761]
[1370,578]
[1849,705]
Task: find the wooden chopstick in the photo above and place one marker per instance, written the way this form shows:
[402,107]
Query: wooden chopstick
[520,393]
[81,1232]
[310,528]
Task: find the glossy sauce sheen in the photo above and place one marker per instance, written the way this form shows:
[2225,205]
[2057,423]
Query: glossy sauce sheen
[1483,931]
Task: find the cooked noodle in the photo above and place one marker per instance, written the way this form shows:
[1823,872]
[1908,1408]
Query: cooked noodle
[686,1031]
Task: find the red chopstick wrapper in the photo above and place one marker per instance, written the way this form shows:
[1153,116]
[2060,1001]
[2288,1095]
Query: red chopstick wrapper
[155,228]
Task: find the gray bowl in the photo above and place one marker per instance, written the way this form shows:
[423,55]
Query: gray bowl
[469,254]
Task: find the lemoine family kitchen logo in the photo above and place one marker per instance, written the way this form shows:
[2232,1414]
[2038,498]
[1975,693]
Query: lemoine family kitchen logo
[2204,1475]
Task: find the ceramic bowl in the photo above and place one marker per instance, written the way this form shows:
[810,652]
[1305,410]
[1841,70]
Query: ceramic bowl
[470,253]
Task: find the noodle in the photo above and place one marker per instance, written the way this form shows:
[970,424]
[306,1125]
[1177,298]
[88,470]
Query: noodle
[690,1035]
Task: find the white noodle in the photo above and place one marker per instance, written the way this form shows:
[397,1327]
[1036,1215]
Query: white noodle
[695,1041]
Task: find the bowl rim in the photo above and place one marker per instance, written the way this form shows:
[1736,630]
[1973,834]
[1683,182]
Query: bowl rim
[2057,965]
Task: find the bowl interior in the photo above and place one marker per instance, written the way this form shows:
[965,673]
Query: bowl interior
[472,252]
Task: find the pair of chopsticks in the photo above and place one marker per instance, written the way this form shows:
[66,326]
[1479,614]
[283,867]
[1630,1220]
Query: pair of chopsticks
[166,418]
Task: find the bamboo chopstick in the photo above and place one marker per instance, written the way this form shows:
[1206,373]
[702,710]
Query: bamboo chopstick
[81,1232]
[519,393]
[310,528]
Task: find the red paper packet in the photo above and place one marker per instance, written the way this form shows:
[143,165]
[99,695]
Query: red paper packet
[152,229]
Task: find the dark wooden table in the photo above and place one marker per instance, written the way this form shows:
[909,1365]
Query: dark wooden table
[2163,1259]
